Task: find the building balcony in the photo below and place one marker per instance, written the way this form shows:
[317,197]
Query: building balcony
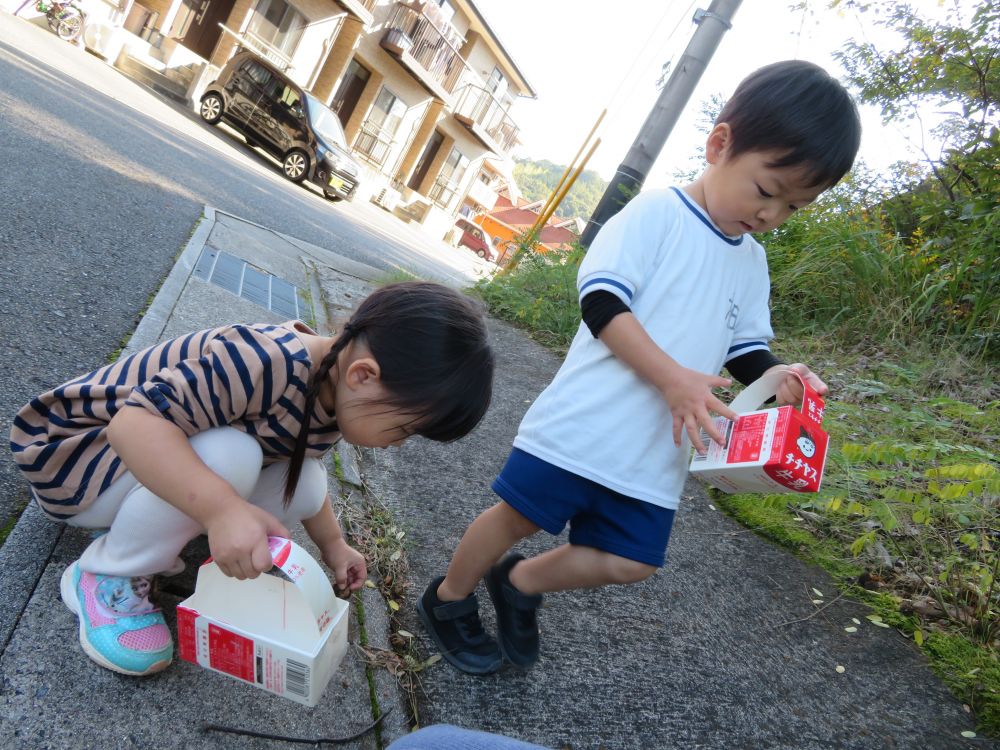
[443,191]
[373,144]
[360,9]
[483,194]
[486,118]
[430,54]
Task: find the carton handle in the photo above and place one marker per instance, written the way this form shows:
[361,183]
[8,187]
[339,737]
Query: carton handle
[306,574]
[754,395]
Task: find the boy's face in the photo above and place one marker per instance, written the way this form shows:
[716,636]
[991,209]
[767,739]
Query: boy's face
[743,194]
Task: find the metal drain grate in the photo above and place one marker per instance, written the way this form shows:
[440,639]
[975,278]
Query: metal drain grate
[239,277]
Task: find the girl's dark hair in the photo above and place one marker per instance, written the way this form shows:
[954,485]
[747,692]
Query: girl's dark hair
[434,358]
[797,109]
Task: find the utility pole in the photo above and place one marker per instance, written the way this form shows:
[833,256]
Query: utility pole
[632,172]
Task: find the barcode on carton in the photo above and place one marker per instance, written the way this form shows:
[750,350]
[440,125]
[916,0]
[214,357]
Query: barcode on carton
[297,678]
[705,440]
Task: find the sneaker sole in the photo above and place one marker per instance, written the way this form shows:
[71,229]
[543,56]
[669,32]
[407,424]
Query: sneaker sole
[68,593]
[446,654]
[514,659]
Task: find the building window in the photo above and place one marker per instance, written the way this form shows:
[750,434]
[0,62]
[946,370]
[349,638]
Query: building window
[447,182]
[277,23]
[497,84]
[378,131]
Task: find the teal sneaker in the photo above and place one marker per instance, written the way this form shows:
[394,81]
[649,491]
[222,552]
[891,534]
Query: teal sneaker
[119,628]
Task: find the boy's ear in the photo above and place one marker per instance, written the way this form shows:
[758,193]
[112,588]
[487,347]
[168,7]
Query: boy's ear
[362,371]
[718,141]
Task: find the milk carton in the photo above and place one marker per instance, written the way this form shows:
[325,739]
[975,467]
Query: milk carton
[285,636]
[781,449]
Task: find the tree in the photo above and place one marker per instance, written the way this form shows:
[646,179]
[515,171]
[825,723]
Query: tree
[951,65]
[537,179]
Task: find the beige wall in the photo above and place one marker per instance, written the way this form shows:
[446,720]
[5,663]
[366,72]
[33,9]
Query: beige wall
[416,147]
[236,21]
[372,88]
[340,54]
[157,6]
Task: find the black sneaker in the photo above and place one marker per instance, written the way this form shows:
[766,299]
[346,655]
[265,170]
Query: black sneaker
[516,621]
[457,631]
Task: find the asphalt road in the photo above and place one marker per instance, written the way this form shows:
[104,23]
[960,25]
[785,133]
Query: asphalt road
[101,184]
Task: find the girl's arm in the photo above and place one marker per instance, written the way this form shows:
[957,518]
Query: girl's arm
[688,392]
[348,565]
[159,455]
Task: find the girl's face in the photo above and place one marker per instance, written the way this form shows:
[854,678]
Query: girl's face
[359,401]
[366,422]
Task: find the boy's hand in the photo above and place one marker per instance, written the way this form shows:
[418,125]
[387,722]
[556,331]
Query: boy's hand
[348,565]
[237,539]
[790,390]
[689,395]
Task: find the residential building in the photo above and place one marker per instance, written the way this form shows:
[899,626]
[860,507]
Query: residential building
[424,88]
[510,219]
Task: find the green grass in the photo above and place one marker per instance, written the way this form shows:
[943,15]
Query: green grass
[908,516]
[539,296]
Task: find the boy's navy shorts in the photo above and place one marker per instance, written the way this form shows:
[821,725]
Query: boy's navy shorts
[598,517]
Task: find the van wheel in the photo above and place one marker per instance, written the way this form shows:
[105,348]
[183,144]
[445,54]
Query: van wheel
[211,108]
[481,253]
[295,165]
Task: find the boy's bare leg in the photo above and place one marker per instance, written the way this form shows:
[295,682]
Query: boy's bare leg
[494,532]
[573,566]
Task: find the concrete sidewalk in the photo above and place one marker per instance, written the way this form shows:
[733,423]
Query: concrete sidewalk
[723,649]
[53,696]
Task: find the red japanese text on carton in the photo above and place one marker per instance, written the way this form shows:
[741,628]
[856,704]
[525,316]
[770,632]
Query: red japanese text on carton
[285,636]
[781,449]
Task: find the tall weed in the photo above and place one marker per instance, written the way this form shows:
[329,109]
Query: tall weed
[539,294]
[848,270]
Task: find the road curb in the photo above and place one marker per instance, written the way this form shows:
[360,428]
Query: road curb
[21,565]
[154,319]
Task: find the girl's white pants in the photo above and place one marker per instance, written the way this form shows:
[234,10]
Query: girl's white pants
[146,534]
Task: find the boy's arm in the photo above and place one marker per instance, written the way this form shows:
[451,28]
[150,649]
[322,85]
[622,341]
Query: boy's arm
[688,392]
[348,565]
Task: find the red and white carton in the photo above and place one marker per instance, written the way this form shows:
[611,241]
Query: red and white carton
[782,449]
[287,637]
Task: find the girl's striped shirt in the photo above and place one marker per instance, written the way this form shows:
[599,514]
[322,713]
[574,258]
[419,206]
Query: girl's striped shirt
[251,377]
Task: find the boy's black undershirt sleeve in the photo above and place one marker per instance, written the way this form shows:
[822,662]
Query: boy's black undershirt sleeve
[598,308]
[746,368]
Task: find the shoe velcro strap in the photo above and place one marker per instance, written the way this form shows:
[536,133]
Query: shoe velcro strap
[520,601]
[454,610]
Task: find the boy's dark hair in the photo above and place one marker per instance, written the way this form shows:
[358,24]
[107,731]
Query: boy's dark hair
[797,109]
[434,359]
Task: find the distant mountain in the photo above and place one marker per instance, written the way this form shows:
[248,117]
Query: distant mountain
[536,179]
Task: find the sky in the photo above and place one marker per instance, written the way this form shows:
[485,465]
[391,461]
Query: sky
[582,56]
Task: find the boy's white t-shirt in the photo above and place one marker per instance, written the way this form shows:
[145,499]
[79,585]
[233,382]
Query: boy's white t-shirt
[700,295]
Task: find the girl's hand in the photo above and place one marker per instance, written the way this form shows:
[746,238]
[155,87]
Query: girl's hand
[237,539]
[689,395]
[790,390]
[348,565]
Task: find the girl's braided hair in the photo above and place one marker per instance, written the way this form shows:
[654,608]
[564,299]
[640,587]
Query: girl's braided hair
[434,358]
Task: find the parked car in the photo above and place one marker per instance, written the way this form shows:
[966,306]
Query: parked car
[271,111]
[475,238]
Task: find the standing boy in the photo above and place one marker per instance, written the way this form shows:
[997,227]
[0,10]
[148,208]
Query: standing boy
[672,289]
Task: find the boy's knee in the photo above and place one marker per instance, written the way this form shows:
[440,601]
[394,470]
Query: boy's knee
[621,570]
[514,522]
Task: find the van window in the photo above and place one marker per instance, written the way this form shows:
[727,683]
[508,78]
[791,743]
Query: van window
[290,97]
[257,72]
